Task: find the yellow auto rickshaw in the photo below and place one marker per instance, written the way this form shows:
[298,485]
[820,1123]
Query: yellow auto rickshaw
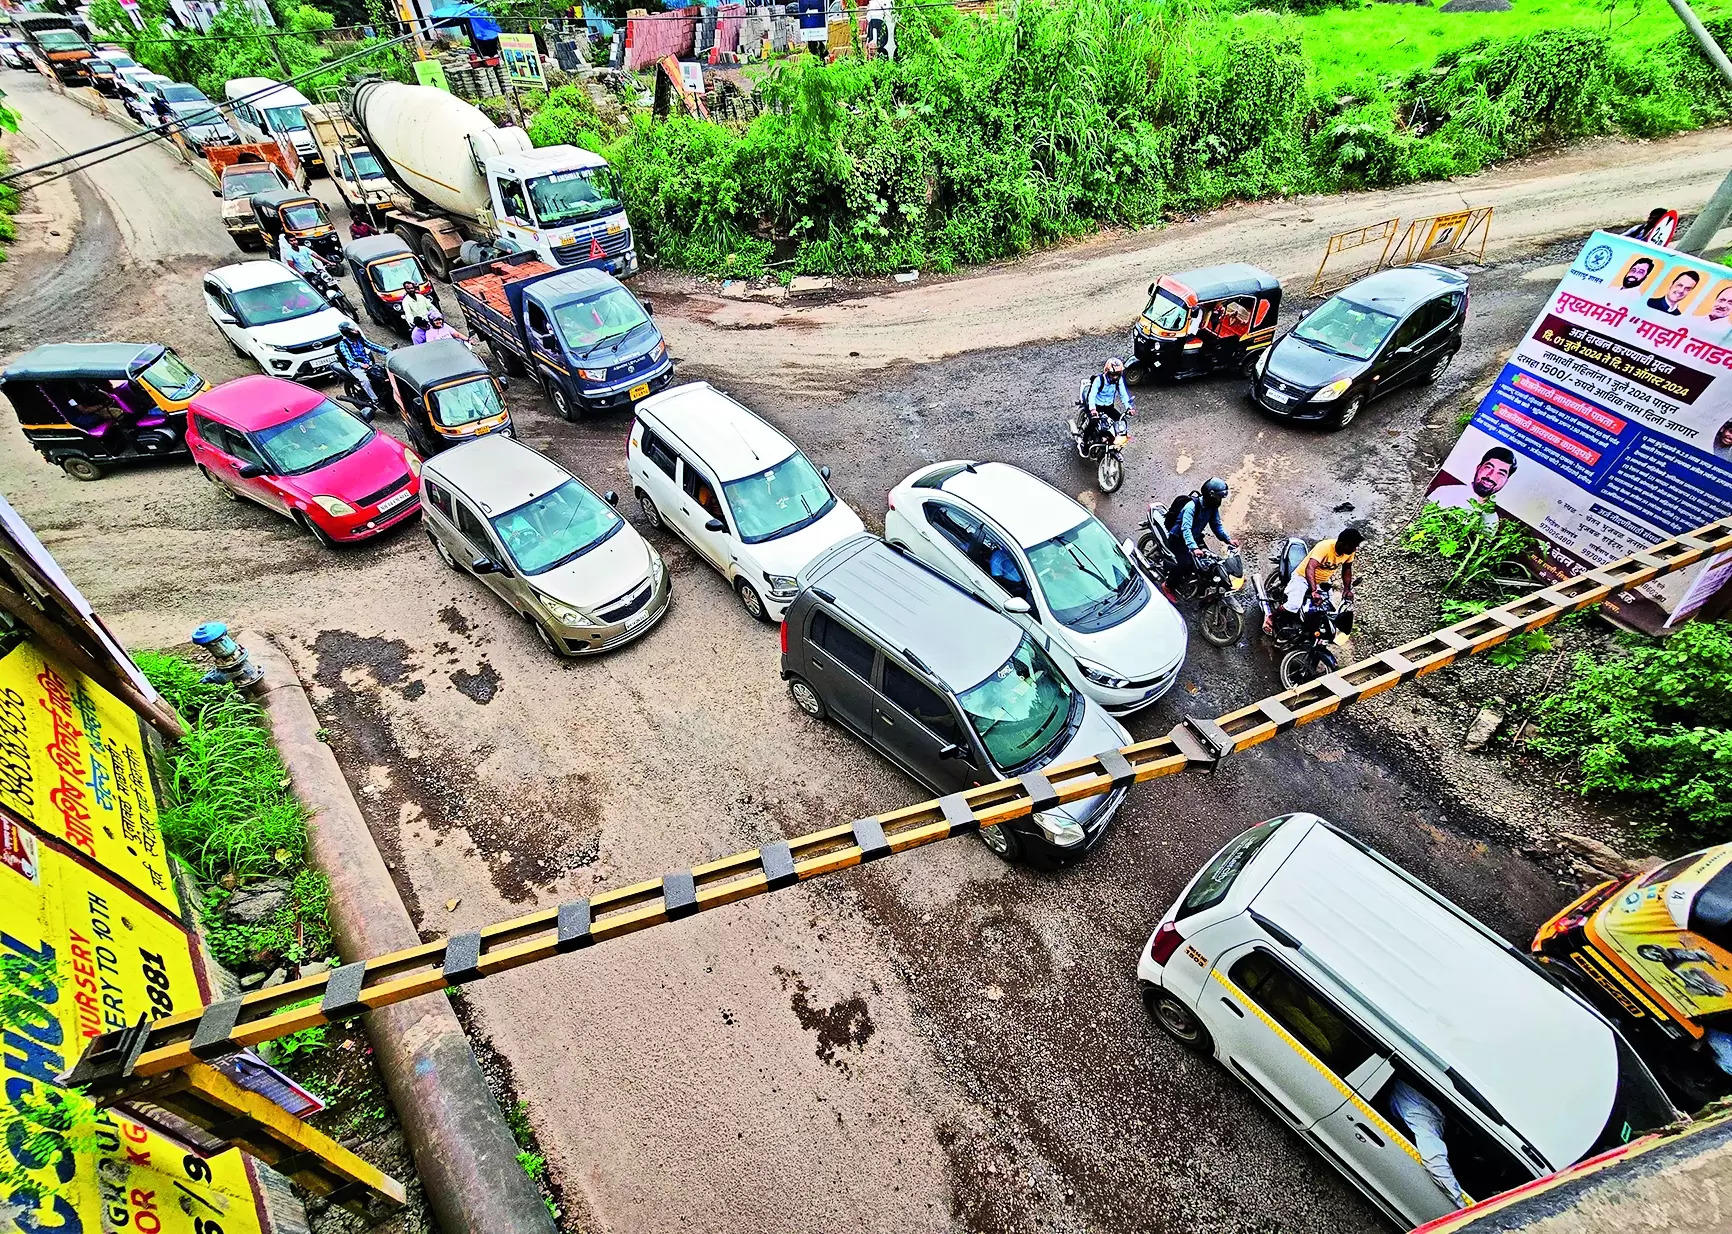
[298,214]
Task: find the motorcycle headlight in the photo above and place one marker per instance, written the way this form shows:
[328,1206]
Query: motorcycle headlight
[1059,829]
[413,460]
[1102,676]
[1332,391]
[782,583]
[565,613]
[592,374]
[336,507]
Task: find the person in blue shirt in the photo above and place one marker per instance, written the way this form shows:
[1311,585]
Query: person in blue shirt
[355,354]
[1200,515]
[1106,393]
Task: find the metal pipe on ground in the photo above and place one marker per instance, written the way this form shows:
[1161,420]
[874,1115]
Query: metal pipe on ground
[464,1154]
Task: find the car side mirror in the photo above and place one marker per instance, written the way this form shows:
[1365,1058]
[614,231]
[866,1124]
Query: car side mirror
[252,471]
[366,414]
[715,524]
[216,192]
[950,750]
[1016,604]
[484,565]
[825,472]
[226,319]
[611,497]
[1151,289]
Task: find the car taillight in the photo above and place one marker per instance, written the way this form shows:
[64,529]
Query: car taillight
[1165,942]
[784,636]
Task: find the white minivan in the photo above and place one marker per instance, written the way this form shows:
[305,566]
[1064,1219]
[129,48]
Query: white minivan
[262,110]
[1342,990]
[1038,557]
[736,490]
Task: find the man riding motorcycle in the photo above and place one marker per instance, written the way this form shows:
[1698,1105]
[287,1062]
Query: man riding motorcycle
[1200,514]
[355,354]
[1098,417]
[1326,559]
[295,253]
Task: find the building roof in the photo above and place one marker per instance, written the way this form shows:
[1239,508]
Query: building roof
[243,275]
[913,609]
[257,401]
[54,361]
[1397,290]
[1214,282]
[1031,510]
[427,364]
[496,472]
[725,436]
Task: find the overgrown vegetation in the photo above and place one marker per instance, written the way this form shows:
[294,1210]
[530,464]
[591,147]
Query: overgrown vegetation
[8,197]
[1650,729]
[42,1125]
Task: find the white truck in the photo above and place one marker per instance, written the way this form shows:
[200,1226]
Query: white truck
[353,167]
[468,189]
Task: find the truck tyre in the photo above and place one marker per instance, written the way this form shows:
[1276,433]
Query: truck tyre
[438,265]
[563,405]
[507,359]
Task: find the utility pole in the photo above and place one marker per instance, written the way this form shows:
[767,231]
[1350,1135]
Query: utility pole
[1713,215]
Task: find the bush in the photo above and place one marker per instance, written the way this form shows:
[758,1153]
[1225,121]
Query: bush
[1652,730]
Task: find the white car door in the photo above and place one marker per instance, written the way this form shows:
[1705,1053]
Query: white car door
[218,305]
[657,474]
[700,512]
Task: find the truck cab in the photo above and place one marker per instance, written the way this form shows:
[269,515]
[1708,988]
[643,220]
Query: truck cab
[562,203]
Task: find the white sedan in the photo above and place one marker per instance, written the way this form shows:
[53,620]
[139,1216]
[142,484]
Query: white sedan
[272,316]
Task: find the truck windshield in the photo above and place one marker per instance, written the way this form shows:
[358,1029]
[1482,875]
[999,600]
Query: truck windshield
[556,527]
[366,165]
[285,301]
[246,183]
[1021,710]
[590,323]
[171,378]
[59,40]
[567,196]
[312,440]
[285,119]
[778,500]
[455,406]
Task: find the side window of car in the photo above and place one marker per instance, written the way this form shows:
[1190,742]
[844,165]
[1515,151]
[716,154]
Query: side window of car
[844,646]
[470,525]
[1481,1164]
[990,553]
[1408,331]
[241,446]
[700,490]
[214,434]
[440,499]
[952,524]
[1304,1013]
[657,451]
[920,701]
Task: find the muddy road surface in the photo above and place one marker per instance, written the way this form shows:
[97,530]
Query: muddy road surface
[938,1042]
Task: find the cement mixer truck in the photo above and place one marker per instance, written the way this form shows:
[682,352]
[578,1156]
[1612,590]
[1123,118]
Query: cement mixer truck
[468,190]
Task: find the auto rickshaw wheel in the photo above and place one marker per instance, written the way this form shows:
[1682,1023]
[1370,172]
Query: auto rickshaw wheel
[80,468]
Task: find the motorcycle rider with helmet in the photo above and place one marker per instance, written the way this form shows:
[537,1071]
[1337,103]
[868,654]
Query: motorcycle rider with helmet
[1098,417]
[355,355]
[1197,517]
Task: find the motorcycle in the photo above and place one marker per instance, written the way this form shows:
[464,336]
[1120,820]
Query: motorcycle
[355,394]
[1307,641]
[1104,449]
[1214,582]
[325,283]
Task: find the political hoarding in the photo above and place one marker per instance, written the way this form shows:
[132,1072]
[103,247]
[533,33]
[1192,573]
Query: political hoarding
[522,60]
[1610,426]
[104,959]
[73,764]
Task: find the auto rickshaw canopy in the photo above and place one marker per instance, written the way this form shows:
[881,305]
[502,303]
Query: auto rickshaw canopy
[83,362]
[274,204]
[1228,301]
[368,254]
[421,375]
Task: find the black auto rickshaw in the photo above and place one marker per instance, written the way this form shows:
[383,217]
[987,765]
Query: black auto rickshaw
[445,395]
[299,214]
[90,406]
[1217,319]
[387,270]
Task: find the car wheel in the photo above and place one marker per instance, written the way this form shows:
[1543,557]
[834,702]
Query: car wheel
[651,515]
[1349,411]
[1002,841]
[753,602]
[548,641]
[221,487]
[1178,1021]
[1438,368]
[444,553]
[318,532]
[806,698]
[562,404]
[80,468]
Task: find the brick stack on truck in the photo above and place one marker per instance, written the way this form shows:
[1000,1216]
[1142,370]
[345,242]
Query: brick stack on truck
[590,343]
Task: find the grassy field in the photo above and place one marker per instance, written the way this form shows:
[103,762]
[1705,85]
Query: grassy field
[1395,39]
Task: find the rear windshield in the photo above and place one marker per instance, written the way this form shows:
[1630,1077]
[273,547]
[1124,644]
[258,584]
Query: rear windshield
[246,183]
[1219,875]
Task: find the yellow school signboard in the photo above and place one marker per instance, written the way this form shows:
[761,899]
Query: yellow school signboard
[114,958]
[73,764]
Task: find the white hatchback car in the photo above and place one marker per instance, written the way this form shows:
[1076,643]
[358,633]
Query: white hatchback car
[736,490]
[1049,565]
[270,315]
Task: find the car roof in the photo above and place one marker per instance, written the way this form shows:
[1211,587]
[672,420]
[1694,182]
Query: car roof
[278,94]
[1400,289]
[257,401]
[911,608]
[1545,1062]
[496,472]
[244,275]
[730,440]
[428,363]
[53,361]
[1213,282]
[1030,510]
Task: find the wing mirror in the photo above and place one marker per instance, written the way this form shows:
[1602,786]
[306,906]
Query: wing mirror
[825,472]
[252,471]
[648,307]
[611,497]
[715,524]
[1151,289]
[366,413]
[216,192]
[226,319]
[484,565]
[1016,604]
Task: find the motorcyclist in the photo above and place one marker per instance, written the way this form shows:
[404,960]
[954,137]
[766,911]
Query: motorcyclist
[299,256]
[1326,559]
[1106,391]
[1197,517]
[355,354]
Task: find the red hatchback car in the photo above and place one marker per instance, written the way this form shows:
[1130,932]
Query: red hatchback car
[292,449]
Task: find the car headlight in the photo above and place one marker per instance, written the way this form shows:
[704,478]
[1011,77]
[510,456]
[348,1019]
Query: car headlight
[1332,391]
[1102,676]
[413,460]
[660,566]
[336,507]
[592,374]
[1059,829]
[782,582]
[1263,360]
[564,612]
[660,350]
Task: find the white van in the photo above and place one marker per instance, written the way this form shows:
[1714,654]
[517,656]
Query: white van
[736,490]
[262,110]
[1321,975]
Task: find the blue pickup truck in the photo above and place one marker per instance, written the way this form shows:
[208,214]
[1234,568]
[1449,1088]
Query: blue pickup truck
[591,344]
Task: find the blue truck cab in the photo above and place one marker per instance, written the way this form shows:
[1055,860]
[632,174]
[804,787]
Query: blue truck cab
[591,344]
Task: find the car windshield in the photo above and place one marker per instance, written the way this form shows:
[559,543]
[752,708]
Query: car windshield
[613,314]
[396,273]
[303,217]
[197,113]
[181,93]
[1021,710]
[312,440]
[1217,878]
[171,378]
[1167,311]
[567,196]
[284,301]
[56,40]
[779,499]
[120,62]
[1086,577]
[285,119]
[455,406]
[556,527]
[366,165]
[1346,328]
[246,183]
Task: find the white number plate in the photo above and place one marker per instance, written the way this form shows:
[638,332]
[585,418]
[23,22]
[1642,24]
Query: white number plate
[391,503]
[1275,395]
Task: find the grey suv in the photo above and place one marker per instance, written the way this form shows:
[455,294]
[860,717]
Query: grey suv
[947,689]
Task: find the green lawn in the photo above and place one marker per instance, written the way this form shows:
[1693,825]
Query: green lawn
[1394,39]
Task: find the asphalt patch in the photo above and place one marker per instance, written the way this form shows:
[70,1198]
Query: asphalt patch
[479,686]
[454,620]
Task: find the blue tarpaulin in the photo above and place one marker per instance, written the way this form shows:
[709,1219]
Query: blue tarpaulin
[480,22]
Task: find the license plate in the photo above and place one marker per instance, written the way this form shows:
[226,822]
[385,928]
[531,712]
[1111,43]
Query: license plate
[638,391]
[1275,396]
[391,503]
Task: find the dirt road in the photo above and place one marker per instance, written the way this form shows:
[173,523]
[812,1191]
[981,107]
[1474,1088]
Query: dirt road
[939,1043]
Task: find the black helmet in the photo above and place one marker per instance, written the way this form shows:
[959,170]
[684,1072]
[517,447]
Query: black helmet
[349,329]
[1214,492]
